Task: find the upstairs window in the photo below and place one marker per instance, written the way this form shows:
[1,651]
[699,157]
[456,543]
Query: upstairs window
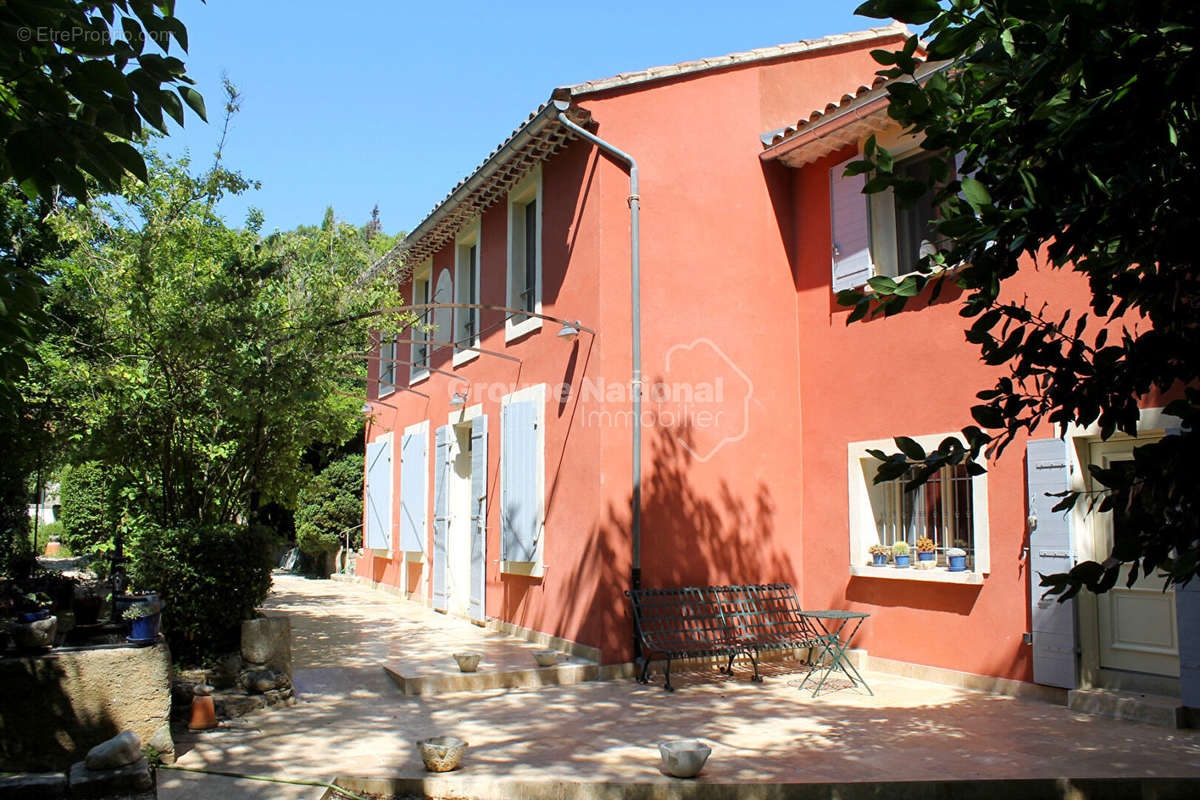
[525,255]
[421,336]
[872,234]
[466,292]
[387,364]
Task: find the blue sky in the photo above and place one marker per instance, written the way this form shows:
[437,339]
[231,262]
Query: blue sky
[367,101]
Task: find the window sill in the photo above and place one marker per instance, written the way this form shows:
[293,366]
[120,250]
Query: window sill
[414,556]
[382,393]
[532,569]
[418,377]
[515,330]
[936,575]
[463,356]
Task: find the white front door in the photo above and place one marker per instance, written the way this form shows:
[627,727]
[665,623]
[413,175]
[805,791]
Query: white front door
[1137,627]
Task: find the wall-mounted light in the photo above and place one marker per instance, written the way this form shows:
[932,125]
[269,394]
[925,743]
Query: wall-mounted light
[569,331]
[458,400]
[366,409]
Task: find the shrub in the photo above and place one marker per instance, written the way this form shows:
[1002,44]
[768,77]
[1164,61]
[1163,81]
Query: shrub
[88,508]
[210,578]
[44,531]
[331,504]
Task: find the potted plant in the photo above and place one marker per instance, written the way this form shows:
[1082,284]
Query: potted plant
[35,627]
[879,554]
[144,619]
[925,552]
[901,554]
[957,558]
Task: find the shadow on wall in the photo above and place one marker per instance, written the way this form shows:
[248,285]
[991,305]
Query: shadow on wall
[689,537]
[42,727]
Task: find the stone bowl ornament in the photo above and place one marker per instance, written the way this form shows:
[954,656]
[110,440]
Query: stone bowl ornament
[468,662]
[546,658]
[683,758]
[442,753]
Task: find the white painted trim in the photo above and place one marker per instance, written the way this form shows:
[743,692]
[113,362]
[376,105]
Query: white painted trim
[1153,423]
[864,531]
[468,236]
[464,414]
[530,188]
[422,273]
[379,390]
[537,395]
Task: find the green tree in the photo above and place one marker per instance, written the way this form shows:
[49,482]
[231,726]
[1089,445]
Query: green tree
[88,507]
[330,510]
[201,361]
[1077,122]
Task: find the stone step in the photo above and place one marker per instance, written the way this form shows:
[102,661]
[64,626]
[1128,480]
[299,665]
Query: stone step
[563,674]
[1152,709]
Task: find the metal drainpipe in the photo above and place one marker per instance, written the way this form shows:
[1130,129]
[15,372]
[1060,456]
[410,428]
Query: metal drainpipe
[636,307]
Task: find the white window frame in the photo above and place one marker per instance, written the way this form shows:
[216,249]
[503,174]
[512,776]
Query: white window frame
[530,188]
[387,355]
[881,210]
[864,496]
[537,395]
[468,237]
[422,275]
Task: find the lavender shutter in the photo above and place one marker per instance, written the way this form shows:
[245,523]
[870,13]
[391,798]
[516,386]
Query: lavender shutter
[378,534]
[850,222]
[519,462]
[412,492]
[441,511]
[1051,550]
[479,428]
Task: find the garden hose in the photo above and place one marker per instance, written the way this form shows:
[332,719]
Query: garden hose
[297,782]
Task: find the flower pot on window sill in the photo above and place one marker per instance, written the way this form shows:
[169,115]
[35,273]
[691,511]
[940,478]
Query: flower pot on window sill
[879,560]
[925,556]
[903,561]
[958,564]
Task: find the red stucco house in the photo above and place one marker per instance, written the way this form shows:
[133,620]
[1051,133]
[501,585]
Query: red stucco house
[500,478]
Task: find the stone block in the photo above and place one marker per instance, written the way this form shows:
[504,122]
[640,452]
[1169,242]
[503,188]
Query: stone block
[268,641]
[121,750]
[129,779]
[34,786]
[70,701]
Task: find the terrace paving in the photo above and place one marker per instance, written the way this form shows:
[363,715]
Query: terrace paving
[352,720]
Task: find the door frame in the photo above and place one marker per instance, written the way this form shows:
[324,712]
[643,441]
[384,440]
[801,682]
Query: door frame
[457,420]
[1153,424]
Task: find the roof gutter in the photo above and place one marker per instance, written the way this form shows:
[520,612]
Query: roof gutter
[528,131]
[862,107]
[635,278]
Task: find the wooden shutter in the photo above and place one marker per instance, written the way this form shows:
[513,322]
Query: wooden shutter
[519,477]
[1051,550]
[479,433]
[413,497]
[441,514]
[851,227]
[378,534]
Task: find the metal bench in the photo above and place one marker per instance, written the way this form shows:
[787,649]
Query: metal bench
[724,621]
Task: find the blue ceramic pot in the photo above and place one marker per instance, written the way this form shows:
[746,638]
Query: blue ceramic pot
[926,556]
[903,561]
[879,560]
[145,628]
[958,564]
[34,616]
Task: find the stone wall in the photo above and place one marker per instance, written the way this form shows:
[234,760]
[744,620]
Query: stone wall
[59,705]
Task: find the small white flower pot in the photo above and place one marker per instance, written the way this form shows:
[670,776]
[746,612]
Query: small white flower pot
[546,658]
[683,758]
[468,662]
